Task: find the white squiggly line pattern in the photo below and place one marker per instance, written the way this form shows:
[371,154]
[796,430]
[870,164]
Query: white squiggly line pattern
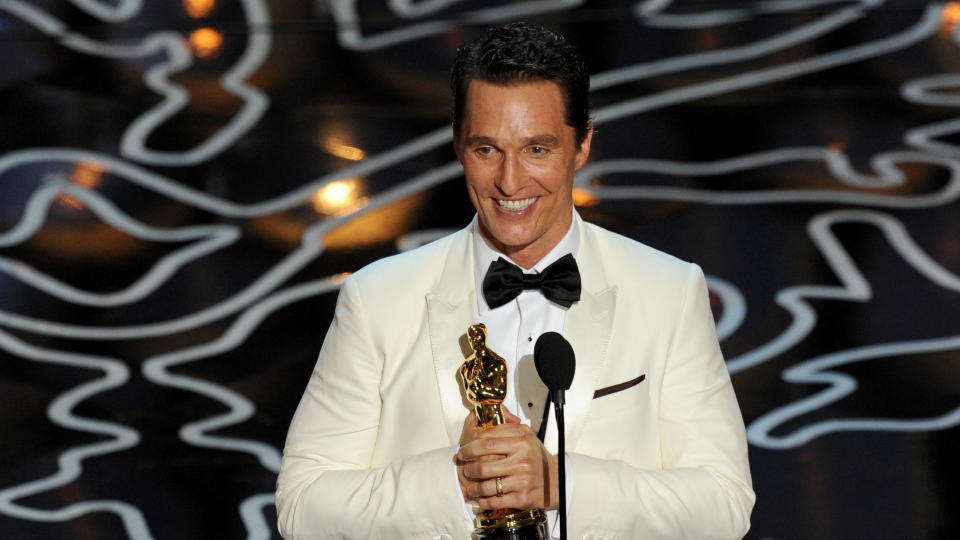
[174,49]
[854,288]
[261,298]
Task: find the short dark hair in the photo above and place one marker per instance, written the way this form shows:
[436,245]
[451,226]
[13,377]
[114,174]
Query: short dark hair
[520,52]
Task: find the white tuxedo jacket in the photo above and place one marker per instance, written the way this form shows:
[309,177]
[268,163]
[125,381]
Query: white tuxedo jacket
[660,452]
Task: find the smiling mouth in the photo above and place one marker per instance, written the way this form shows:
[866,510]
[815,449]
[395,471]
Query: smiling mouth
[521,204]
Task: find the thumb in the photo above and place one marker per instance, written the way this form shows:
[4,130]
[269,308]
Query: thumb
[509,417]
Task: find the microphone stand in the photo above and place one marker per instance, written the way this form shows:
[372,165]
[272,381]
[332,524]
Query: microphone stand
[558,402]
[555,363]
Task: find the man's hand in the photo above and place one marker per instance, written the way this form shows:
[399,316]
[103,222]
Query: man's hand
[512,452]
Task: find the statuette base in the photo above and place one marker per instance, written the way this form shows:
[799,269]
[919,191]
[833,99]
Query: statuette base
[511,525]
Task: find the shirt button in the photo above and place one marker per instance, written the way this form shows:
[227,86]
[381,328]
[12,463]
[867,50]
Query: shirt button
[529,338]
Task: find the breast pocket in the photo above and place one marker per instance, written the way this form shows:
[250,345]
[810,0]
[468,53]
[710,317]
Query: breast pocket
[622,422]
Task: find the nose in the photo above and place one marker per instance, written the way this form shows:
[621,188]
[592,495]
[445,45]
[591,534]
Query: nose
[512,177]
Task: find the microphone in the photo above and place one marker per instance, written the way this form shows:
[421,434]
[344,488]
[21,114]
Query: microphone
[553,356]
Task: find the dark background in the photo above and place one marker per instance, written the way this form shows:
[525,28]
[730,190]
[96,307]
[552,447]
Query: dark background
[184,183]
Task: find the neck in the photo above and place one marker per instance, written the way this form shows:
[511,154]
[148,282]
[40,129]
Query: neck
[524,256]
[528,255]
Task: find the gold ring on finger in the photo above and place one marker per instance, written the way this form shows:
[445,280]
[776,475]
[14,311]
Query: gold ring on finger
[499,486]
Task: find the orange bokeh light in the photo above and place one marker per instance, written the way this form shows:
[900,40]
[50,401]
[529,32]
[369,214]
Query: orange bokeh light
[343,150]
[88,174]
[69,201]
[205,42]
[583,197]
[198,8]
[950,16]
[338,197]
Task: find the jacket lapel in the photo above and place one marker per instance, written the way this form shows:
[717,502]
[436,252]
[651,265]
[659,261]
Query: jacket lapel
[451,307]
[587,327]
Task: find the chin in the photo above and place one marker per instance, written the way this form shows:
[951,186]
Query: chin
[512,243]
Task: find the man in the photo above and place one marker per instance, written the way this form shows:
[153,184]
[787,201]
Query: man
[383,444]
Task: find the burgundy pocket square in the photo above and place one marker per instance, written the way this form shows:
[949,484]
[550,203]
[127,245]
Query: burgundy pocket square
[618,387]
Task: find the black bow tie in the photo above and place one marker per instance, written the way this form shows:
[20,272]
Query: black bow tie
[559,282]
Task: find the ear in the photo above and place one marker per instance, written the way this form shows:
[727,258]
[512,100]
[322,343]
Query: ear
[583,151]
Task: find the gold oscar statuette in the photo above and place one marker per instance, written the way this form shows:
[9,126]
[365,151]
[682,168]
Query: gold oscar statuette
[484,376]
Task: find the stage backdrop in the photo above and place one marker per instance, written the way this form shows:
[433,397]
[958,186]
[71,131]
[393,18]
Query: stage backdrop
[184,185]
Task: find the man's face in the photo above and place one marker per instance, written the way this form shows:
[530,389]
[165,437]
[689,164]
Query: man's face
[519,157]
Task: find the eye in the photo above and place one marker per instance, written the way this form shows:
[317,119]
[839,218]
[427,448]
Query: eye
[537,150]
[484,150]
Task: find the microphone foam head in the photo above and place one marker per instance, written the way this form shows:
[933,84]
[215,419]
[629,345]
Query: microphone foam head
[555,361]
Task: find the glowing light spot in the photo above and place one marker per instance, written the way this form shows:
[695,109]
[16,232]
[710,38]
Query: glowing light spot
[198,8]
[69,201]
[337,193]
[342,150]
[337,197]
[951,13]
[583,197]
[950,18]
[88,174]
[205,42]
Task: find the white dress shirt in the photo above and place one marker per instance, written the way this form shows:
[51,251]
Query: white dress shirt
[512,332]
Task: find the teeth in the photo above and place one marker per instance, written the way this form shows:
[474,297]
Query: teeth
[516,205]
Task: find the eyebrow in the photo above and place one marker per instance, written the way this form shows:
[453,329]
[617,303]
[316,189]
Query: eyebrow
[474,140]
[541,140]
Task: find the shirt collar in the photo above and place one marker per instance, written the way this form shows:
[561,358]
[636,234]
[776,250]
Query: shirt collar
[484,254]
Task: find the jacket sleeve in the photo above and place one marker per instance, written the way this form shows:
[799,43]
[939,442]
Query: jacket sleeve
[327,486]
[702,488]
